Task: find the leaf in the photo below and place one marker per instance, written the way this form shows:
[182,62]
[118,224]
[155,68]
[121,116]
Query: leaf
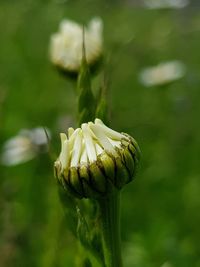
[69,205]
[102,111]
[82,230]
[88,231]
[87,263]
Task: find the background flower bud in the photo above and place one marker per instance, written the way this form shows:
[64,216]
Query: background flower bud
[66,44]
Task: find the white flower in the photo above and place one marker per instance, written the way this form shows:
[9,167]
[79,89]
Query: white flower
[66,45]
[158,4]
[94,156]
[162,73]
[24,146]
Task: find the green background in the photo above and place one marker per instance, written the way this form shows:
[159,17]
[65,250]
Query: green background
[161,208]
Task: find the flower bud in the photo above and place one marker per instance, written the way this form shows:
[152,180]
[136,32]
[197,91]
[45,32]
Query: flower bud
[66,45]
[94,159]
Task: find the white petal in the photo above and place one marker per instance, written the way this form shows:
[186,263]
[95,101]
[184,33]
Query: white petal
[70,132]
[72,138]
[99,149]
[114,142]
[84,157]
[76,152]
[63,137]
[108,132]
[103,140]
[65,154]
[89,144]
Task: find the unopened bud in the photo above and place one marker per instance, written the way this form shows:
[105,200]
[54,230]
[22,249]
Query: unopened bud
[94,159]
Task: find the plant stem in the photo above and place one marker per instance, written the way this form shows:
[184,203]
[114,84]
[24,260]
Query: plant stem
[110,227]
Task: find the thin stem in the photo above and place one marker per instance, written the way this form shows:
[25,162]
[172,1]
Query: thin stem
[110,227]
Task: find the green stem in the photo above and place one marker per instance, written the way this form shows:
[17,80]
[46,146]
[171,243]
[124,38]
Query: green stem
[110,227]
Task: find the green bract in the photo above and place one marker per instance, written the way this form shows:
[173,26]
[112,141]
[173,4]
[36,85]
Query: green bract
[94,159]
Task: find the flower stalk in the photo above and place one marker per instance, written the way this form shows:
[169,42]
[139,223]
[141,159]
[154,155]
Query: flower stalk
[110,228]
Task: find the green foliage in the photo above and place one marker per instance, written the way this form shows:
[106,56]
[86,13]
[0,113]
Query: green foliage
[160,209]
[87,263]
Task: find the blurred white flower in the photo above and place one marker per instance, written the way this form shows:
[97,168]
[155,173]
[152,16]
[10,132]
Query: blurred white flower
[23,147]
[66,45]
[158,4]
[162,73]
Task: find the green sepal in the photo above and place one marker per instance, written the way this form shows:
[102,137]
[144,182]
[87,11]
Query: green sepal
[88,190]
[137,148]
[98,178]
[134,152]
[122,175]
[128,161]
[108,165]
[74,181]
[132,145]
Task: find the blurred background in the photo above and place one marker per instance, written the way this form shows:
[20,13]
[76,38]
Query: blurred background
[160,108]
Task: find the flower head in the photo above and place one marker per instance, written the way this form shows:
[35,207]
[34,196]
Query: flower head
[66,45]
[160,4]
[95,158]
[163,73]
[26,145]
